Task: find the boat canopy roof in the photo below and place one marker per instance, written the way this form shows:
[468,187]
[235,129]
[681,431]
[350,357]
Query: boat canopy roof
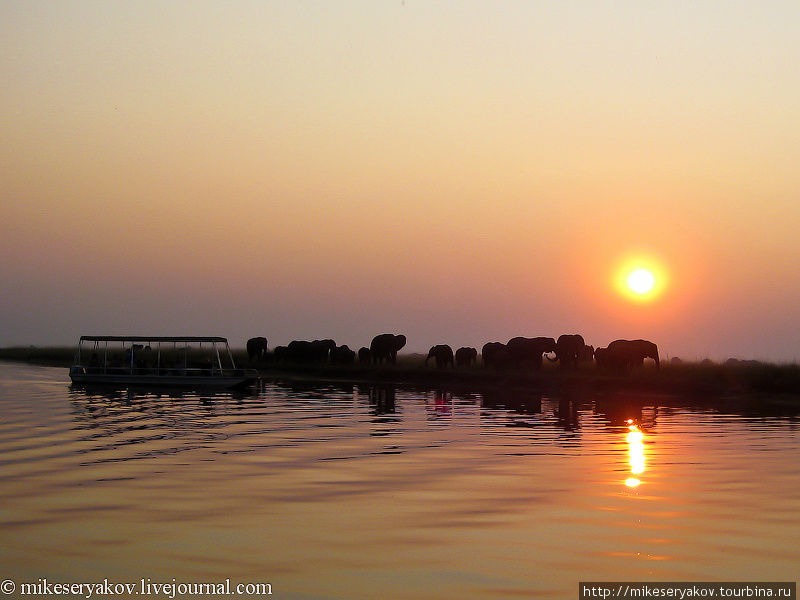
[154,338]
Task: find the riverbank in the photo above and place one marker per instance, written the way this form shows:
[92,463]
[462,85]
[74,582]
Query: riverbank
[52,356]
[694,379]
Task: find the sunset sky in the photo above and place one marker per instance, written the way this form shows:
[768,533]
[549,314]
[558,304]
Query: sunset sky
[461,172]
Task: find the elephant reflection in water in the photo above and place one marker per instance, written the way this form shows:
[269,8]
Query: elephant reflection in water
[382,399]
[567,413]
[624,409]
[520,401]
[442,402]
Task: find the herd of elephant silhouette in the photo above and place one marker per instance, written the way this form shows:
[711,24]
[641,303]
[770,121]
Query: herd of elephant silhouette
[569,351]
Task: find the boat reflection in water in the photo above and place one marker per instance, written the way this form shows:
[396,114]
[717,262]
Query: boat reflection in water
[635,439]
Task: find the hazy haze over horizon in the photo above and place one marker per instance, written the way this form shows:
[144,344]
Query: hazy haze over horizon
[458,172]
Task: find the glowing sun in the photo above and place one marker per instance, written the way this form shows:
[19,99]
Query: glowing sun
[641,278]
[641,281]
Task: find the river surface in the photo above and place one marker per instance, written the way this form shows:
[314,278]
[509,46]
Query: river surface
[342,491]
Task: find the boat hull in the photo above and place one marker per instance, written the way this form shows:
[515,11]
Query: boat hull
[151,380]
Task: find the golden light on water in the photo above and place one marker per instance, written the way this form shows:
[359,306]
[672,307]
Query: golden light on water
[635,439]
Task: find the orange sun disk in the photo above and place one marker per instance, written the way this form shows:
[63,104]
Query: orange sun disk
[641,279]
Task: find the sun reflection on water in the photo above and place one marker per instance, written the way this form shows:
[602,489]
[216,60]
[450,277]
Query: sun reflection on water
[635,439]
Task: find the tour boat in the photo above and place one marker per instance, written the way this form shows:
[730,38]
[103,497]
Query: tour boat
[186,361]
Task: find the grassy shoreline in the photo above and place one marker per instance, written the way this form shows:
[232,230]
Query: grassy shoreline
[52,356]
[693,379]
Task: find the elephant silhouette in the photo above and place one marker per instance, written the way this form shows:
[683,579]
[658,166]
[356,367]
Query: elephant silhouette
[323,350]
[257,348]
[280,354]
[568,350]
[586,354]
[527,352]
[298,351]
[602,358]
[318,351]
[385,347]
[364,356]
[732,362]
[442,354]
[466,356]
[624,355]
[495,355]
[342,355]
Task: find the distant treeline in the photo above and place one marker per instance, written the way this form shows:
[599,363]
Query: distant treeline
[57,356]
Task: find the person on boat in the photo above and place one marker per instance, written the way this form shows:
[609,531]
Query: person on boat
[144,359]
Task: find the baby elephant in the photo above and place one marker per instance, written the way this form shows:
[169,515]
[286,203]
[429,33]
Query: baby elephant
[364,356]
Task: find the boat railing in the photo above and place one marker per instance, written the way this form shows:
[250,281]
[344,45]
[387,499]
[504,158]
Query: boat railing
[159,355]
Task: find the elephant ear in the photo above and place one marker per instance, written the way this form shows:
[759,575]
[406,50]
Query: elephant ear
[400,341]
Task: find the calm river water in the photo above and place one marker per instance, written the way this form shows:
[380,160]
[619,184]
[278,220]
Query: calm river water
[357,492]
